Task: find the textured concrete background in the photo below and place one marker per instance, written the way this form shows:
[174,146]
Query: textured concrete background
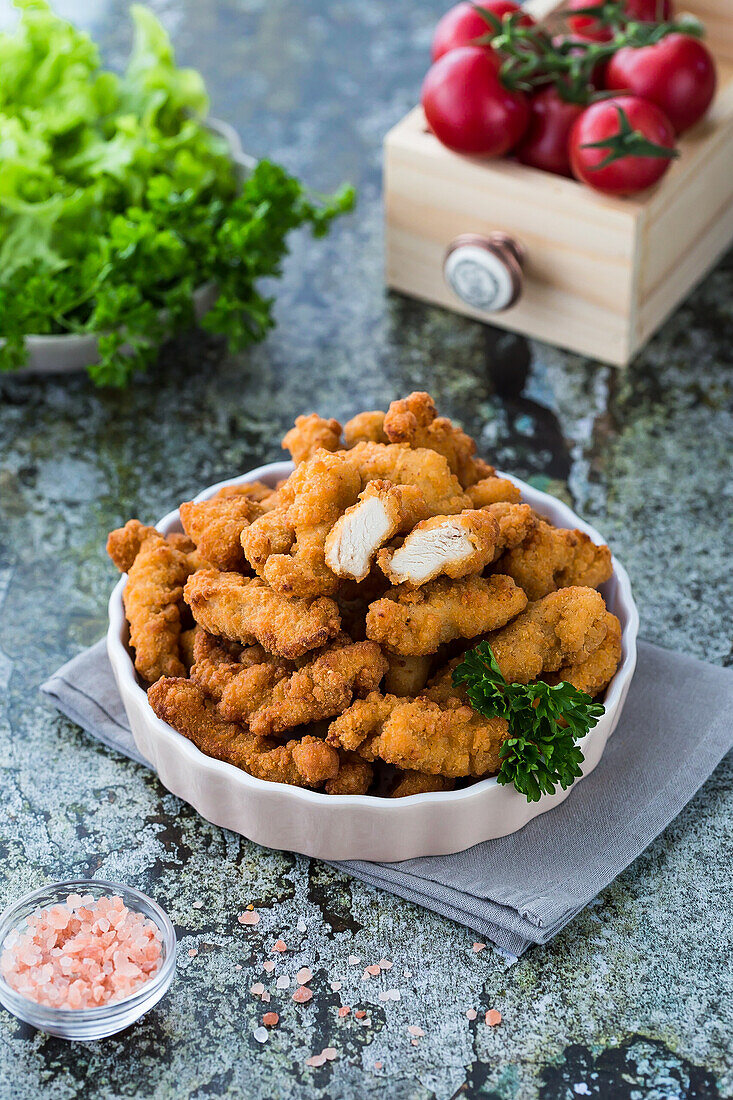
[634,998]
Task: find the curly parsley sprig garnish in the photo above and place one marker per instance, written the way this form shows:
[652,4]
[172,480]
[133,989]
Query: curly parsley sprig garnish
[544,723]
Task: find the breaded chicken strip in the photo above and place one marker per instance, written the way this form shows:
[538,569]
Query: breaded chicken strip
[516,522]
[216,661]
[406,676]
[552,558]
[153,598]
[408,783]
[449,739]
[246,610]
[312,433]
[493,490]
[216,526]
[415,623]
[382,511]
[261,494]
[415,420]
[320,689]
[354,776]
[561,629]
[454,546]
[366,427]
[287,547]
[309,762]
[123,544]
[594,674]
[187,643]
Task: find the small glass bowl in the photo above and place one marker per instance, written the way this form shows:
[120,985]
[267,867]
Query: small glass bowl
[89,1023]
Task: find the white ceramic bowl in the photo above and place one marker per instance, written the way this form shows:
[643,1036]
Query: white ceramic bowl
[355,826]
[69,352]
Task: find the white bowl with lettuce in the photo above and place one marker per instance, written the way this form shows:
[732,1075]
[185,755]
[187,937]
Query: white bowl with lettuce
[126,214]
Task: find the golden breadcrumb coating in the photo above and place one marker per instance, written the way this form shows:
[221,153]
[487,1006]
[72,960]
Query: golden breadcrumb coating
[407,783]
[416,622]
[310,434]
[450,739]
[258,491]
[516,522]
[382,511]
[563,628]
[187,643]
[309,762]
[366,427]
[493,490]
[594,674]
[552,558]
[216,527]
[406,676]
[246,610]
[318,689]
[415,420]
[153,598]
[123,544]
[451,546]
[355,775]
[216,661]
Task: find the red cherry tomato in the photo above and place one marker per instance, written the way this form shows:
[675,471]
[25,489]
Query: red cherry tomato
[677,73]
[545,144]
[646,11]
[462,25]
[631,172]
[467,106]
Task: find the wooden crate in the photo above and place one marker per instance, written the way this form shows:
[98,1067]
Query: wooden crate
[601,274]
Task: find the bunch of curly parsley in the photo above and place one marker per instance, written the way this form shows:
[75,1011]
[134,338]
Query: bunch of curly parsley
[544,722]
[117,202]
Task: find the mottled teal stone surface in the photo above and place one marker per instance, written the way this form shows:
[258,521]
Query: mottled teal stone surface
[633,999]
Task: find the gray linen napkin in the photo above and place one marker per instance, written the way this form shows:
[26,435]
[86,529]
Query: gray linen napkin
[522,889]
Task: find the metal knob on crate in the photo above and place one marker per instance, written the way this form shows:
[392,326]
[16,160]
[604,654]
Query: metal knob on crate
[485,271]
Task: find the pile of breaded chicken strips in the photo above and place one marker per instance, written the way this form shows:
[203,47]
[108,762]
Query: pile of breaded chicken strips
[307,632]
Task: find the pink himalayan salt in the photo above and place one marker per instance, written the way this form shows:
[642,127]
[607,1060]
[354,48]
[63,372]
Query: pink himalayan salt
[82,954]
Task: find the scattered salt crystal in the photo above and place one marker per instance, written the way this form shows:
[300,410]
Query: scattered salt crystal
[283,981]
[193,952]
[280,946]
[581,1089]
[270,1019]
[266,997]
[415,1042]
[316,1060]
[366,1021]
[344,1011]
[301,926]
[416,1031]
[237,966]
[261,1034]
[335,986]
[378,1065]
[385,964]
[374,969]
[471,1013]
[354,960]
[493,1017]
[257,989]
[268,966]
[479,947]
[407,973]
[360,1014]
[389,995]
[304,975]
[302,995]
[329,1053]
[197,905]
[248,917]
